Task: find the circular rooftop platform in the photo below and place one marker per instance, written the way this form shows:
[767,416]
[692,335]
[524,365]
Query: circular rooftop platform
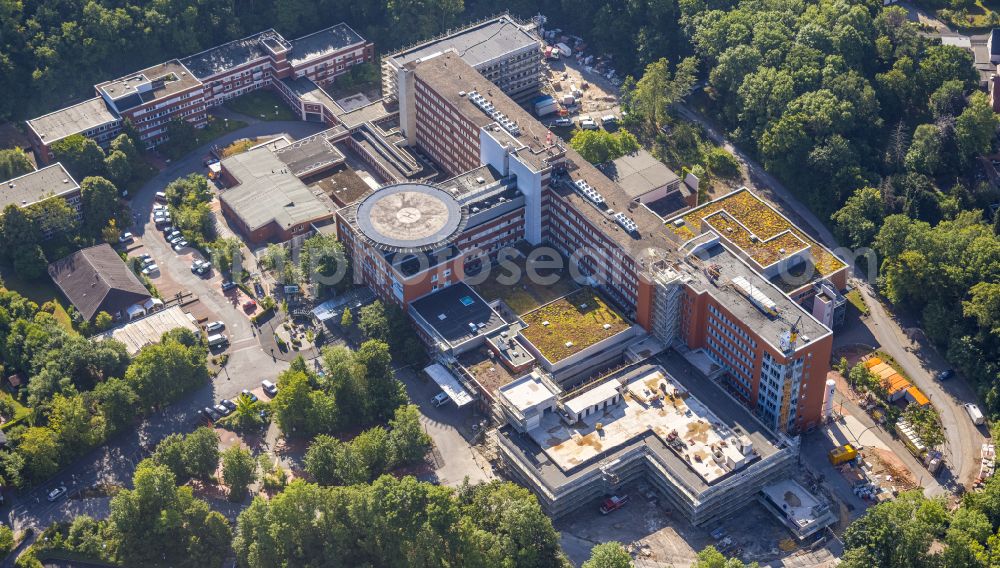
[410,217]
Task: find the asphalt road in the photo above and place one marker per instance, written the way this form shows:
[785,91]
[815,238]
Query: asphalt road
[909,347]
[115,461]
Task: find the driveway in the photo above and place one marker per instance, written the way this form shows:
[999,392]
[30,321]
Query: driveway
[448,426]
[115,461]
[910,348]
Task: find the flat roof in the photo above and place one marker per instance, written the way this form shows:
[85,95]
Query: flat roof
[639,173]
[799,506]
[527,392]
[308,91]
[759,230]
[147,331]
[596,395]
[472,181]
[449,76]
[768,328]
[476,44]
[571,324]
[451,310]
[728,415]
[74,119]
[229,55]
[654,403]
[36,186]
[166,79]
[448,383]
[268,192]
[344,187]
[323,42]
[309,155]
[487,370]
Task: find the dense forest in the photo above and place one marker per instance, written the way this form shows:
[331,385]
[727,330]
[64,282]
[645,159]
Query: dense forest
[52,52]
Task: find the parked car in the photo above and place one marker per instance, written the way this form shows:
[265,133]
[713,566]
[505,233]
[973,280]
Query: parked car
[160,196]
[180,244]
[159,207]
[946,374]
[562,122]
[146,260]
[228,404]
[215,326]
[440,399]
[249,305]
[228,285]
[222,409]
[613,503]
[167,230]
[150,269]
[126,238]
[56,493]
[209,414]
[269,388]
[217,340]
[174,237]
[246,393]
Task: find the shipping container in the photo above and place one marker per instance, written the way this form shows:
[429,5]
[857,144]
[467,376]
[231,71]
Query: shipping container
[842,454]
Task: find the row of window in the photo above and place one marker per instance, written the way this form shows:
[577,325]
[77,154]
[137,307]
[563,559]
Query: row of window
[736,329]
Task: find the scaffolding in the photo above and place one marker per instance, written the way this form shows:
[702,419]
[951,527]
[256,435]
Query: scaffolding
[666,304]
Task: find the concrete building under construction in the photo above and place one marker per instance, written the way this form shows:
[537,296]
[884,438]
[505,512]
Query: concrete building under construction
[642,423]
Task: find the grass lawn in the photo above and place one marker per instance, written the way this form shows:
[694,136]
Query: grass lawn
[858,301]
[39,291]
[20,411]
[213,130]
[980,17]
[264,105]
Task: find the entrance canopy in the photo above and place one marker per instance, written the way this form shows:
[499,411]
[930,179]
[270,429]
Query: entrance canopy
[449,384]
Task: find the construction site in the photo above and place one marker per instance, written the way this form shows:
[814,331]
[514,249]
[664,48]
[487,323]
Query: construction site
[640,424]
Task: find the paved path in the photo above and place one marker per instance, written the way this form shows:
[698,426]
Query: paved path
[115,461]
[911,349]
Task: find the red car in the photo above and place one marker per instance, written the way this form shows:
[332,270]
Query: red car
[613,503]
[250,305]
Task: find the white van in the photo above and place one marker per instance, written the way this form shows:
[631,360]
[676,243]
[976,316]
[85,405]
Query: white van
[975,414]
[217,340]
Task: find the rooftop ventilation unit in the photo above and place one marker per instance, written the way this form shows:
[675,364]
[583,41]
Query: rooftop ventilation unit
[756,297]
[589,192]
[626,222]
[491,111]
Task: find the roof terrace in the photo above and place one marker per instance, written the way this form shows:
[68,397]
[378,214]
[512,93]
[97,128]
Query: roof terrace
[760,232]
[571,324]
[653,402]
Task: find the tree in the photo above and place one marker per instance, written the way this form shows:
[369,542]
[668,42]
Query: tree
[948,99]
[227,254]
[609,555]
[239,470]
[81,155]
[110,233]
[709,557]
[346,320]
[924,155]
[599,146]
[322,261]
[118,166]
[75,427]
[659,89]
[407,437]
[976,126]
[117,403]
[170,454]
[373,322]
[201,453]
[125,144]
[159,522]
[162,372]
[895,533]
[323,459]
[99,201]
[40,450]
[14,163]
[858,221]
